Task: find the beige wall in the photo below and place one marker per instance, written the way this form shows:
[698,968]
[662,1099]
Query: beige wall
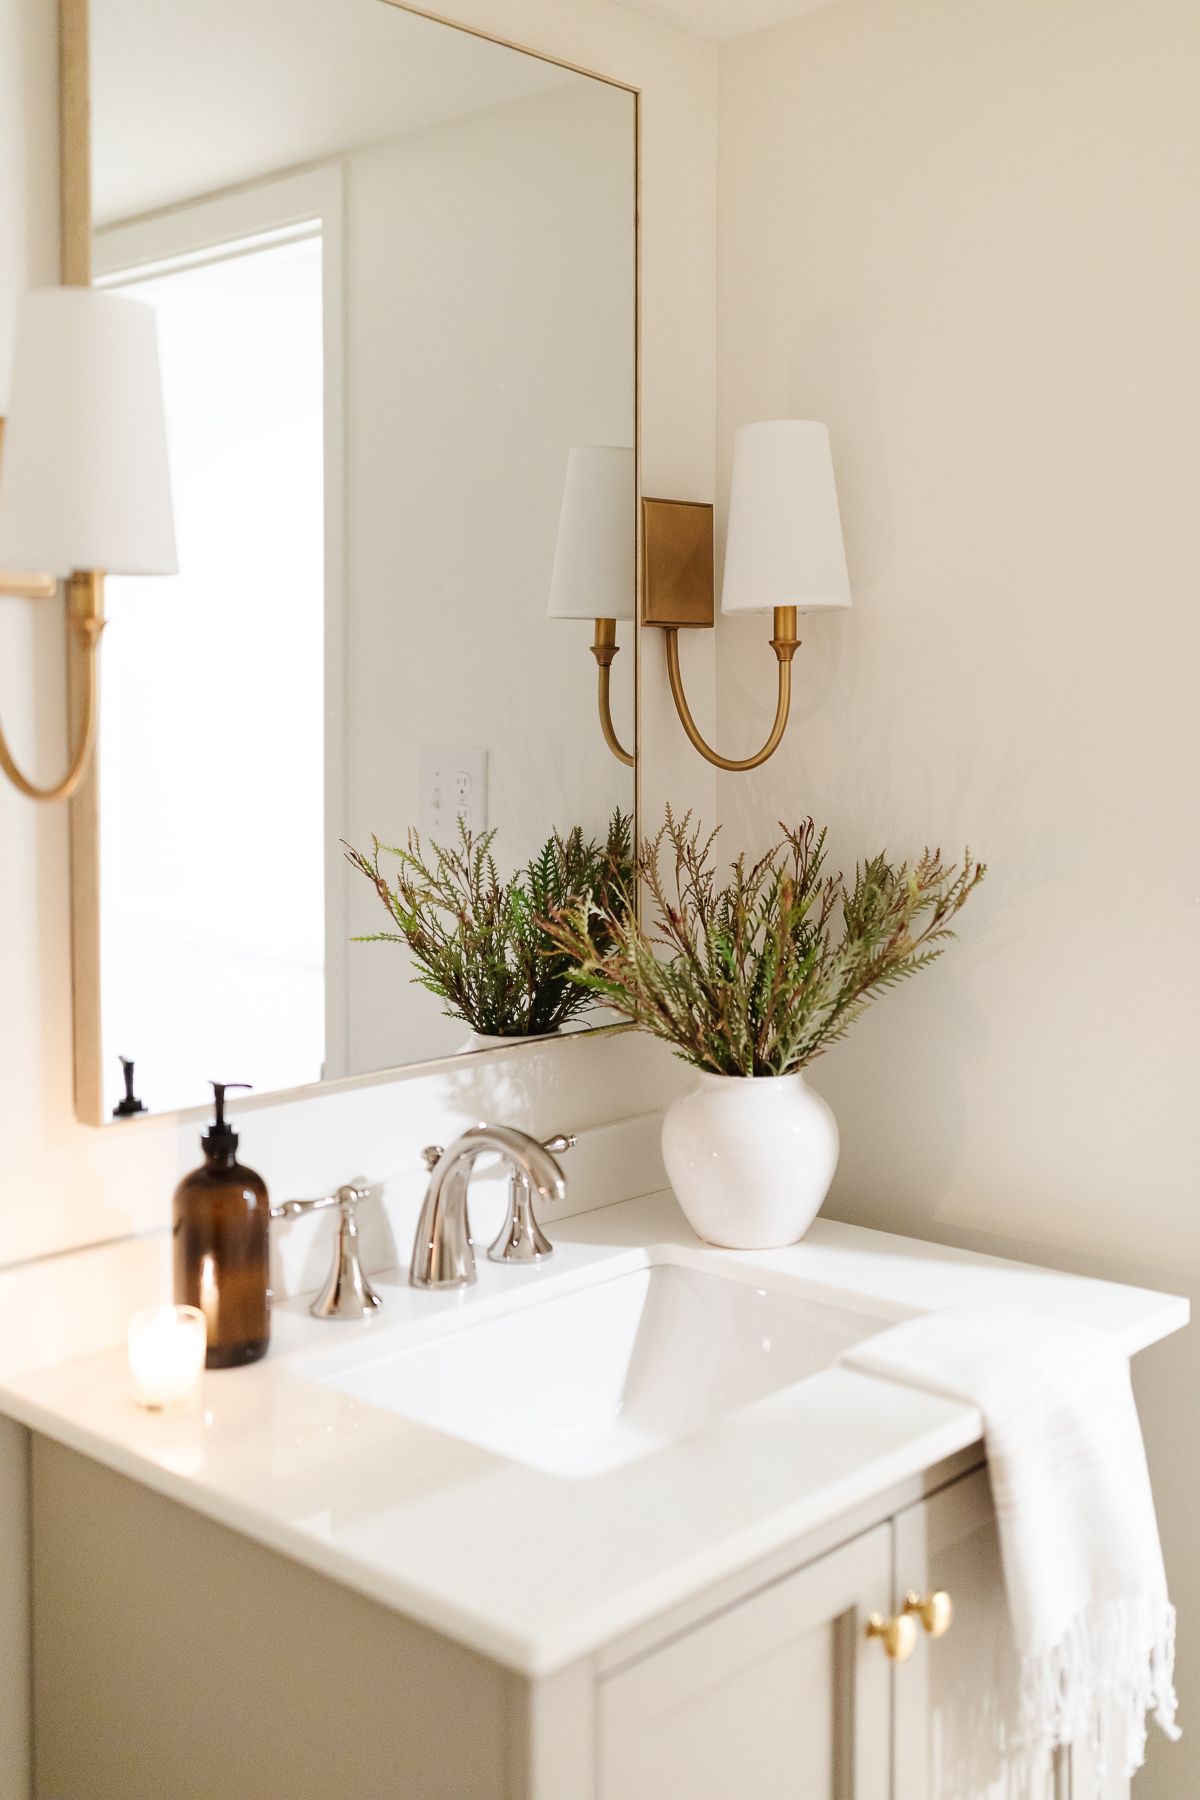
[968,237]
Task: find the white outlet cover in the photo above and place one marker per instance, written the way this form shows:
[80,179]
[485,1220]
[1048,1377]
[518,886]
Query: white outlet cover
[453,785]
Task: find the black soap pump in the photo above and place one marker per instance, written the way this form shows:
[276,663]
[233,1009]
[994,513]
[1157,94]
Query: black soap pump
[222,1263]
[130,1106]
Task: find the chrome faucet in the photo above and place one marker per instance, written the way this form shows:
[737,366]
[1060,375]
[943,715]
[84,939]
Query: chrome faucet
[443,1255]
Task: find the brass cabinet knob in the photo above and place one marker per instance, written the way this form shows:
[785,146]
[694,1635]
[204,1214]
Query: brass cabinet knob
[935,1611]
[898,1635]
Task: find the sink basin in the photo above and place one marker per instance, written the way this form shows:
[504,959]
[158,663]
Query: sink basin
[595,1377]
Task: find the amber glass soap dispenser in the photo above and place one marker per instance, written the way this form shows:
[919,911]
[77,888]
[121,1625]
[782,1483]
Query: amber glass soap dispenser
[222,1218]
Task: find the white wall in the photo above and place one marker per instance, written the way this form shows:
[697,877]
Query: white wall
[967,237]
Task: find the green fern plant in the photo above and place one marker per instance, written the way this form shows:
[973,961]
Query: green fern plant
[761,973]
[480,942]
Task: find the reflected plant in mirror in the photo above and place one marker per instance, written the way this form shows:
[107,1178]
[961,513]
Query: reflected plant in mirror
[481,943]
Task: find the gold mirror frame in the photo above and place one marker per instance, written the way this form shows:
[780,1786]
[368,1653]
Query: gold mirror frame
[75,199]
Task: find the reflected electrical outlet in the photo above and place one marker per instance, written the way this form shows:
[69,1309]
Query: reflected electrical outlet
[453,786]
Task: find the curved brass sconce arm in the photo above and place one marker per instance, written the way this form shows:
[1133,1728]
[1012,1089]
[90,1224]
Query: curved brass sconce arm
[785,644]
[85,622]
[604,648]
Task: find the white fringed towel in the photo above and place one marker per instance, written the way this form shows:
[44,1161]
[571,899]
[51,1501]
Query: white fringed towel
[1087,1592]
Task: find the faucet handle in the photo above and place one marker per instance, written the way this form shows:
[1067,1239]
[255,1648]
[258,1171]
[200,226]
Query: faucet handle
[521,1239]
[347,1293]
[349,1194]
[563,1141]
[432,1154]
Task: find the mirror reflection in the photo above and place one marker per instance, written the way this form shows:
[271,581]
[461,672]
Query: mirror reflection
[394,268]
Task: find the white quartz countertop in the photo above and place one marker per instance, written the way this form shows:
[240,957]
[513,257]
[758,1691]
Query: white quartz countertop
[531,1569]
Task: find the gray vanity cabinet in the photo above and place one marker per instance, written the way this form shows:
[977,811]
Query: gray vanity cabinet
[174,1657]
[782,1696]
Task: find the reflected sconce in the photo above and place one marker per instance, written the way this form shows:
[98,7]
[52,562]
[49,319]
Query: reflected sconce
[84,488]
[595,560]
[784,554]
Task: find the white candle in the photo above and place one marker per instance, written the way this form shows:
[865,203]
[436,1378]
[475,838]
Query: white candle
[167,1345]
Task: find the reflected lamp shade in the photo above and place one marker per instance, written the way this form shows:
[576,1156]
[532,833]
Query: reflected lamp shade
[784,544]
[595,559]
[85,482]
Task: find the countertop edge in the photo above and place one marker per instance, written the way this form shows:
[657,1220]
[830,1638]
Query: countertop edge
[554,1651]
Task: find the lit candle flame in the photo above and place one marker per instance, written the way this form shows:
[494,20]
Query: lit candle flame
[210,1299]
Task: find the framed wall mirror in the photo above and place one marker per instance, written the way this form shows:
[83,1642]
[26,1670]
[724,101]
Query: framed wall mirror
[394,265]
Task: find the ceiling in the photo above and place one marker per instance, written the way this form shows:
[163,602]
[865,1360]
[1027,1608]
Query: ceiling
[188,98]
[722,18]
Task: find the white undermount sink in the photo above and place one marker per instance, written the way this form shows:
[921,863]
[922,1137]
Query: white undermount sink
[607,1372]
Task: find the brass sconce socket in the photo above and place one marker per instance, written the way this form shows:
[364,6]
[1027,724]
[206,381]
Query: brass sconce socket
[785,643]
[604,644]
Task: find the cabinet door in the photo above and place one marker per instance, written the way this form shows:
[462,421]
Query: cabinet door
[1082,1777]
[955,1698]
[780,1697]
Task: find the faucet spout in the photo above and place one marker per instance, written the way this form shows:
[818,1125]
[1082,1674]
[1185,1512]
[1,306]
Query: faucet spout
[443,1254]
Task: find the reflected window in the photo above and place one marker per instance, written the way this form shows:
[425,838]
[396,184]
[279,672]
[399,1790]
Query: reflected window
[212,829]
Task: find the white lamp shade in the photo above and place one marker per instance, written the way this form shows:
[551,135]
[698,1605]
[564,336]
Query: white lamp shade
[84,482]
[595,560]
[784,545]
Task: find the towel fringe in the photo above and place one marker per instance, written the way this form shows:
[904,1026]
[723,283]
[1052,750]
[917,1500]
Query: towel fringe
[1117,1660]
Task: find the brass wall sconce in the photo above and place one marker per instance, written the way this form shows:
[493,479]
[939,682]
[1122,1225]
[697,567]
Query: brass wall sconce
[595,560]
[85,486]
[784,554]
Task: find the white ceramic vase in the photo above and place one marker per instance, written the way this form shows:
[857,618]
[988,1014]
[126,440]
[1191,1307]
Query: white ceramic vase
[750,1158]
[482,1040]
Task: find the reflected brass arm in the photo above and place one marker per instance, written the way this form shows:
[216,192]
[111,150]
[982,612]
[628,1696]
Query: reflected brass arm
[785,644]
[604,648]
[85,622]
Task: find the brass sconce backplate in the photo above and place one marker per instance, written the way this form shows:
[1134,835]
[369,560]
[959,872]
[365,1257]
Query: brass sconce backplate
[678,588]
